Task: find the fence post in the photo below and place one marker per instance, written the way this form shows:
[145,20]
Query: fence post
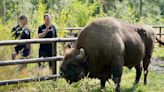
[70,32]
[160,29]
[54,63]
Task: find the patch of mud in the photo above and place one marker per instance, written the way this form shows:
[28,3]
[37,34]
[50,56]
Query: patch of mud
[157,65]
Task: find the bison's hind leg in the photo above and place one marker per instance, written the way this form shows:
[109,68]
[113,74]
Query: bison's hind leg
[117,68]
[138,73]
[146,63]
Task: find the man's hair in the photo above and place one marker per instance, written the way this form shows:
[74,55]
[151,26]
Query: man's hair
[21,17]
[46,14]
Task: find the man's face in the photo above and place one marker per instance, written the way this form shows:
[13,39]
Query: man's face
[47,19]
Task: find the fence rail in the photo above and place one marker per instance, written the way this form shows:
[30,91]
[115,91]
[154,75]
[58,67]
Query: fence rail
[26,61]
[28,41]
[158,26]
[26,80]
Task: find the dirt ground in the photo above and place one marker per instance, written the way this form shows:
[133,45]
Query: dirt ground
[157,65]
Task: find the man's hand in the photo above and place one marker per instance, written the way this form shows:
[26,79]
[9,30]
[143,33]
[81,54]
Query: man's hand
[47,28]
[41,35]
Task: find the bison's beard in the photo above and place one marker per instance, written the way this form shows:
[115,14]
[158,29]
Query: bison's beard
[73,72]
[72,75]
[75,78]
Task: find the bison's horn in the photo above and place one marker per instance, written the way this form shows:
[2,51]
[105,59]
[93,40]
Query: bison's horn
[82,53]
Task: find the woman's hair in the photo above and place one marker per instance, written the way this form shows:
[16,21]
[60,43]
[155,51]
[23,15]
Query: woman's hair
[21,17]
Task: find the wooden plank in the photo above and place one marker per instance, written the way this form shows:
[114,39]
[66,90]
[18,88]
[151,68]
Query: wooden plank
[157,26]
[74,28]
[27,41]
[26,80]
[26,61]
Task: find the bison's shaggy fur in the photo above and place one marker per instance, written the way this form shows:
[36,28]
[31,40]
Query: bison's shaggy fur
[105,46]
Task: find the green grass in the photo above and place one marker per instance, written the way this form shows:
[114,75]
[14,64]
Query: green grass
[155,84]
[158,52]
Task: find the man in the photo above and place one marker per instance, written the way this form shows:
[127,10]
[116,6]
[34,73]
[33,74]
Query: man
[21,32]
[47,30]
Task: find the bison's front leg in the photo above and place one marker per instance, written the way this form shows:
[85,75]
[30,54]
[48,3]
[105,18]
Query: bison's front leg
[106,74]
[117,68]
[103,81]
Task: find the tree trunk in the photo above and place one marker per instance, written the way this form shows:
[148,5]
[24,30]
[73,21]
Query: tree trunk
[140,10]
[1,8]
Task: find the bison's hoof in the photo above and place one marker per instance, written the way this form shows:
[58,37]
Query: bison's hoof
[136,83]
[102,87]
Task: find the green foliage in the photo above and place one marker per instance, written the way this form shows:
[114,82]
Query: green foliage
[129,10]
[124,11]
[38,14]
[79,13]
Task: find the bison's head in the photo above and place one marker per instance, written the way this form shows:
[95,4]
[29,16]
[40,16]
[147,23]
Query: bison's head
[74,65]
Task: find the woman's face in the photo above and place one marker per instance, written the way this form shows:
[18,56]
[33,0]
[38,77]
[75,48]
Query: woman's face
[23,21]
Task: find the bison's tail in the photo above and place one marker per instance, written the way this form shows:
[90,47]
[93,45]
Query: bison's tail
[159,41]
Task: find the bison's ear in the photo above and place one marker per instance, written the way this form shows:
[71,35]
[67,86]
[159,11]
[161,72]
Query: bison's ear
[81,54]
[67,48]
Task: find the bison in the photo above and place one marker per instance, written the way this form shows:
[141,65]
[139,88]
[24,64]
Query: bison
[104,47]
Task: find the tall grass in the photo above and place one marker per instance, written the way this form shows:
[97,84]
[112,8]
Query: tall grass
[155,84]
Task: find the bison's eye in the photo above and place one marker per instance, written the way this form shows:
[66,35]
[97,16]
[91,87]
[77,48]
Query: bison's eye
[61,69]
[72,66]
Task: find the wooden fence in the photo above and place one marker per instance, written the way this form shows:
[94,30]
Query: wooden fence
[159,29]
[35,60]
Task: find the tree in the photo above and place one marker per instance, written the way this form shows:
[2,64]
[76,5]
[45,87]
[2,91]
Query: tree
[1,8]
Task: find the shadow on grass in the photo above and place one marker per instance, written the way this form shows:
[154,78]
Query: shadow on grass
[130,89]
[110,89]
[160,58]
